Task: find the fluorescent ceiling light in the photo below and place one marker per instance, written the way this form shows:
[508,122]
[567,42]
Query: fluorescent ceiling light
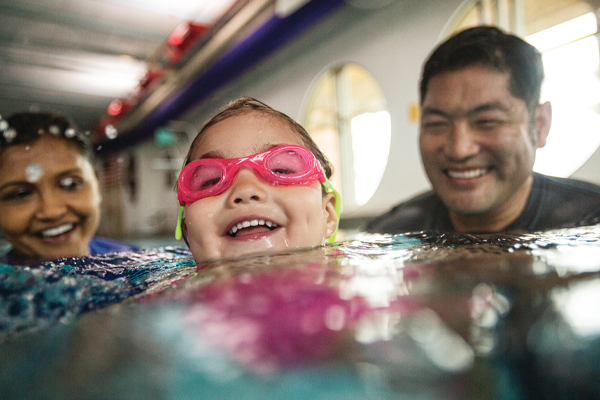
[205,11]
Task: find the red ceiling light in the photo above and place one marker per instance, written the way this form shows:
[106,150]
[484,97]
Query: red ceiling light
[183,38]
[115,108]
[178,35]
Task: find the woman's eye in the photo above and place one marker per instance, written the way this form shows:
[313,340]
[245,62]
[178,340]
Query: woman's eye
[18,194]
[70,183]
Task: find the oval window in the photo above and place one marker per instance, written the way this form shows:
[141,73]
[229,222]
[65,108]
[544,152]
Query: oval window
[347,117]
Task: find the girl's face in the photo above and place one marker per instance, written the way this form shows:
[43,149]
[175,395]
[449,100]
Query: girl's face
[49,199]
[285,217]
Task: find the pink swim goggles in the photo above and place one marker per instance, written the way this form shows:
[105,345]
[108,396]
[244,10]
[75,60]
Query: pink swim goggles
[286,165]
[282,165]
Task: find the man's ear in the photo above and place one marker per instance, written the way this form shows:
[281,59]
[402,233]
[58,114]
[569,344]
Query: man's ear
[332,218]
[543,121]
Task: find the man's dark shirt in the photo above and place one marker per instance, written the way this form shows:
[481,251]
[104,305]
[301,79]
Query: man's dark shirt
[553,203]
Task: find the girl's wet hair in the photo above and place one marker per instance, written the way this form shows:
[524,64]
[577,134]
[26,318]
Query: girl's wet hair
[247,105]
[27,127]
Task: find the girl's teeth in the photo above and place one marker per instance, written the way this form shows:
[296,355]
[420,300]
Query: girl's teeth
[254,222]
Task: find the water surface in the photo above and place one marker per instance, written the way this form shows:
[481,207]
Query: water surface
[423,316]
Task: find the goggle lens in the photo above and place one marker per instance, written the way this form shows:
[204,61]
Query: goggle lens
[288,162]
[279,166]
[205,176]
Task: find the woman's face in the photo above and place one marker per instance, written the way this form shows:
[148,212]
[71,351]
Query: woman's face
[268,218]
[49,199]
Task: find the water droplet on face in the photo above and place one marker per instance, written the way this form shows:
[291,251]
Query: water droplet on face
[3,125]
[269,244]
[209,215]
[33,173]
[9,135]
[55,130]
[111,132]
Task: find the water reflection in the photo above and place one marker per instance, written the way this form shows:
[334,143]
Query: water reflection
[407,316]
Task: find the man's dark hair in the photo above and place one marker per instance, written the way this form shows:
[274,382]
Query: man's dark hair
[489,47]
[27,127]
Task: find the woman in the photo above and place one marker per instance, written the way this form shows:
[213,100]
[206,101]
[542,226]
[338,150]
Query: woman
[49,193]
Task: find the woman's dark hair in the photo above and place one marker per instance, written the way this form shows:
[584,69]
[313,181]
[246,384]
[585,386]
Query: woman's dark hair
[247,105]
[27,127]
[489,47]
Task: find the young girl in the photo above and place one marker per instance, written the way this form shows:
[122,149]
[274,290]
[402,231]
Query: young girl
[254,182]
[49,194]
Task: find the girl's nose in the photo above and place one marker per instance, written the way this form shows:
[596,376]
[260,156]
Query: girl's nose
[247,188]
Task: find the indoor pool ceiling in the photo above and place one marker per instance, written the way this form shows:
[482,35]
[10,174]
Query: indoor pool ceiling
[76,56]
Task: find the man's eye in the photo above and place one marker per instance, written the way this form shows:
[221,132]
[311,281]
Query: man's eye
[70,183]
[15,195]
[430,124]
[488,123]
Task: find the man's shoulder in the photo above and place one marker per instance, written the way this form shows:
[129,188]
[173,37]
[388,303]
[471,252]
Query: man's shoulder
[415,214]
[563,203]
[567,186]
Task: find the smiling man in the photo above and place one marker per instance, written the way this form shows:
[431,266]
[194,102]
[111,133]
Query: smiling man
[481,125]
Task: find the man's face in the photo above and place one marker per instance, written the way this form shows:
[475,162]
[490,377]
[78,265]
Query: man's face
[476,142]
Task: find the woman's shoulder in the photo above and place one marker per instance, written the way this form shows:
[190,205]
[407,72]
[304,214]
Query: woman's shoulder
[100,245]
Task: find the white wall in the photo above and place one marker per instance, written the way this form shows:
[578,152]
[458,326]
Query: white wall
[155,209]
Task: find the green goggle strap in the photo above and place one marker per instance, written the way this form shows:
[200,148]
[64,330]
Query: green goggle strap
[328,188]
[179,219]
[338,207]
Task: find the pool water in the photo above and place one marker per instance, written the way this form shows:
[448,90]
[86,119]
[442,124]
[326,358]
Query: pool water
[419,316]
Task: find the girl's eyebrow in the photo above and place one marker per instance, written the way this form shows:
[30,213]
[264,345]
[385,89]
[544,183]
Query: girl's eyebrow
[212,154]
[220,154]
